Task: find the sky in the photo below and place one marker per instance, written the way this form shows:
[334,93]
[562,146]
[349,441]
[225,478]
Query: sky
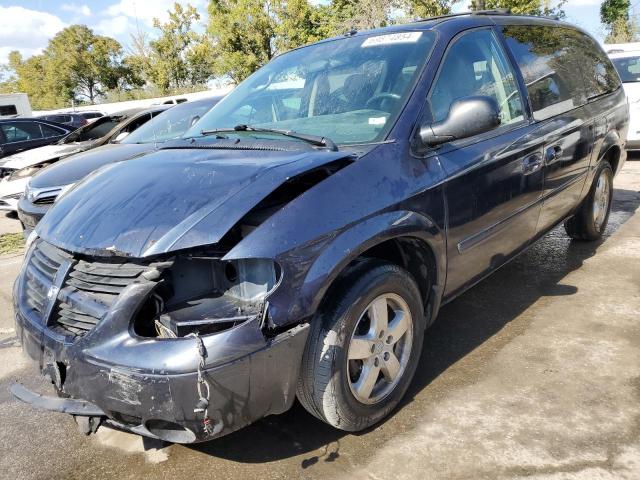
[27,25]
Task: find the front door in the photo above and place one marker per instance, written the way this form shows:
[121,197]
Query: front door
[495,185]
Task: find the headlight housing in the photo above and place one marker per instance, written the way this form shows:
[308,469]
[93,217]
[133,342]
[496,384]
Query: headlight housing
[202,295]
[26,171]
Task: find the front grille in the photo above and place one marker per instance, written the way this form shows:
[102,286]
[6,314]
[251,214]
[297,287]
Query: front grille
[84,295]
[88,292]
[45,200]
[44,263]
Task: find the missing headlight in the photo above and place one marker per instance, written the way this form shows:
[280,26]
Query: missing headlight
[205,296]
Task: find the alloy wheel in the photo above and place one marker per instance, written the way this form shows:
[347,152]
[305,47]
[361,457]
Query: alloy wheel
[380,348]
[601,200]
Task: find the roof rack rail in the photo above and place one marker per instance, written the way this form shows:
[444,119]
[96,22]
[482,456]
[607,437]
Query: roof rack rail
[494,11]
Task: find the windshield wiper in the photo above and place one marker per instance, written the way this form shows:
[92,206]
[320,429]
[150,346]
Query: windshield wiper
[312,139]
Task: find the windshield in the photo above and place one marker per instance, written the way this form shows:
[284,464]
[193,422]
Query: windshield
[95,130]
[628,68]
[349,90]
[170,124]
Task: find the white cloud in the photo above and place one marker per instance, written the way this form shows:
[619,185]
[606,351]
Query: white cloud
[82,10]
[146,10]
[115,26]
[25,30]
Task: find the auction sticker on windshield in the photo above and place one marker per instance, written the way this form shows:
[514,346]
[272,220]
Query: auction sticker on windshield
[403,37]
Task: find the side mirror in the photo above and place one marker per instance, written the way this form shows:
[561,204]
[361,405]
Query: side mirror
[121,136]
[468,116]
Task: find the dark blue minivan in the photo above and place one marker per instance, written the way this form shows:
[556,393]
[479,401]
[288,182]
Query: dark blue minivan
[300,238]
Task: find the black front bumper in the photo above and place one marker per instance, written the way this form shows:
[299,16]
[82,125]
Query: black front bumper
[30,214]
[246,383]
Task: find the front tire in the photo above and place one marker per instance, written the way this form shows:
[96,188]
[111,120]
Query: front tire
[590,221]
[363,347]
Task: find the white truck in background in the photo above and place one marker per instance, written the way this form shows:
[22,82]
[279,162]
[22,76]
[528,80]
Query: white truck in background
[14,105]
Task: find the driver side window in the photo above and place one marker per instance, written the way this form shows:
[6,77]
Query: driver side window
[475,65]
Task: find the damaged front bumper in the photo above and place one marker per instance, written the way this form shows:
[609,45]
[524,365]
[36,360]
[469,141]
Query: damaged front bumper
[149,385]
[161,405]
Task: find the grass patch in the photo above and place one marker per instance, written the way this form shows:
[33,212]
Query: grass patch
[11,243]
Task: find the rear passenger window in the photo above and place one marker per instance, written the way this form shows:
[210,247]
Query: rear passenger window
[48,131]
[550,60]
[475,65]
[20,132]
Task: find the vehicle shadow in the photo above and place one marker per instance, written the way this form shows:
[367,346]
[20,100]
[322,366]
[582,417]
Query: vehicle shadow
[462,326]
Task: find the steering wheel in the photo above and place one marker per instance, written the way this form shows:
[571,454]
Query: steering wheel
[382,96]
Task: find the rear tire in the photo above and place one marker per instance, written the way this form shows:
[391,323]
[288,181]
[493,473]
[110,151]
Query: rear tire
[354,371]
[590,221]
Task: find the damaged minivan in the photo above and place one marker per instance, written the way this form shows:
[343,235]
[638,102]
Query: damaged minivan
[298,241]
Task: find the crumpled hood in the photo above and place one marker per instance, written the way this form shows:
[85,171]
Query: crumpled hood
[42,154]
[170,199]
[76,167]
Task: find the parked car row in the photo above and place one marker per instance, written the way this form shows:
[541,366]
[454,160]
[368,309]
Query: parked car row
[74,119]
[21,134]
[43,189]
[298,239]
[19,168]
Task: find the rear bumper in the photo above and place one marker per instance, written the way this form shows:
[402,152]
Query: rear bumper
[247,385]
[633,144]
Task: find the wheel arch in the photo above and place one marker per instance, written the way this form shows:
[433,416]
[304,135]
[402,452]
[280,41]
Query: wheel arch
[407,239]
[611,150]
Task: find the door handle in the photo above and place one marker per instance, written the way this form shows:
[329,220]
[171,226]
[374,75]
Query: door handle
[531,164]
[553,153]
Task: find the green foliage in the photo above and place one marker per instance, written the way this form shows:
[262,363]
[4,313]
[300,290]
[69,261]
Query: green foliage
[430,8]
[243,33]
[241,36]
[623,31]
[248,33]
[614,14]
[179,57]
[299,23]
[76,65]
[612,11]
[525,7]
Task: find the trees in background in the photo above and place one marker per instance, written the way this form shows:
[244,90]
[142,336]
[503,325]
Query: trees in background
[246,34]
[76,65]
[179,57]
[526,7]
[614,14]
[240,36]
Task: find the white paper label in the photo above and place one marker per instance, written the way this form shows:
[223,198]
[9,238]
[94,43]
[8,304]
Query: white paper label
[391,38]
[377,120]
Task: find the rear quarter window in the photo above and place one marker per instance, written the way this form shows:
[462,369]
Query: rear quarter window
[49,131]
[600,75]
